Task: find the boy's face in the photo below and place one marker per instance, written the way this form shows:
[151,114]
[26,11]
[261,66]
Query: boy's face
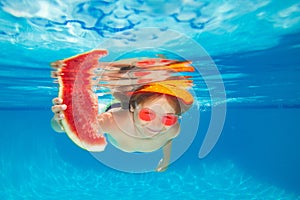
[155,116]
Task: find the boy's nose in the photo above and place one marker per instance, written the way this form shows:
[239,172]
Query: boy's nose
[157,124]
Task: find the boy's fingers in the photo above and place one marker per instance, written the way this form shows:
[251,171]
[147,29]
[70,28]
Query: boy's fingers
[58,108]
[57,101]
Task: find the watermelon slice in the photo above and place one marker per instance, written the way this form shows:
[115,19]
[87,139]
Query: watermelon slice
[75,76]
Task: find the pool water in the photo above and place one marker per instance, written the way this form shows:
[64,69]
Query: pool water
[255,47]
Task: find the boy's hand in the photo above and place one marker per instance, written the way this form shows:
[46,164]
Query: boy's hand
[57,108]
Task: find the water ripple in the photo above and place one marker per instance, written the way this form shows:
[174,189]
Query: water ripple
[104,18]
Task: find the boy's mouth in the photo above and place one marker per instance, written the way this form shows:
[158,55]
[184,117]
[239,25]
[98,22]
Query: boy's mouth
[154,131]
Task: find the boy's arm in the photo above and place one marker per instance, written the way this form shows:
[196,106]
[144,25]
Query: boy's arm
[164,162]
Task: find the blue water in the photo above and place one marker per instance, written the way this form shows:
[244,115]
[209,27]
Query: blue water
[255,46]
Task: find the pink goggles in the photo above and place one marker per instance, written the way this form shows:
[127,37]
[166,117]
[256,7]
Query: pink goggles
[146,114]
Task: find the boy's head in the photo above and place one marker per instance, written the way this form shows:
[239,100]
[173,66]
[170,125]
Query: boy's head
[156,107]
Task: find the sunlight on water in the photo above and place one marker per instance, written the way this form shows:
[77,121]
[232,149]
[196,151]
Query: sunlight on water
[44,31]
[82,24]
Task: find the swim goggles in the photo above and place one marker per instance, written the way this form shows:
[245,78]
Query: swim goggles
[146,114]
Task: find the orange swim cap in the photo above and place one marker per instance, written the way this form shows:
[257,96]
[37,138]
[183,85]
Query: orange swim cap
[184,97]
[180,93]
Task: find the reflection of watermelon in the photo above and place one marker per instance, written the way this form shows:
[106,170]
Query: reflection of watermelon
[80,123]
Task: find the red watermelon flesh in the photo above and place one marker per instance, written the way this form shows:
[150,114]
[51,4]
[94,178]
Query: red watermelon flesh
[75,76]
